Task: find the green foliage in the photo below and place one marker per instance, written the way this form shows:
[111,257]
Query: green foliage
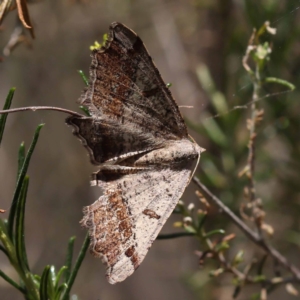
[220,171]
[51,285]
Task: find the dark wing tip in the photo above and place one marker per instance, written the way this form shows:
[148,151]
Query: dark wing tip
[123,34]
[69,120]
[114,24]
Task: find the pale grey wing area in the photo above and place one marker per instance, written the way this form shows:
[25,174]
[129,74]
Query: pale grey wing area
[124,222]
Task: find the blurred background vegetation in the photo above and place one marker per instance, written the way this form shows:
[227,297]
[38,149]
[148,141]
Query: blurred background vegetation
[198,46]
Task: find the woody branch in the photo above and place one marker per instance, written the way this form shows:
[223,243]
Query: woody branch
[252,235]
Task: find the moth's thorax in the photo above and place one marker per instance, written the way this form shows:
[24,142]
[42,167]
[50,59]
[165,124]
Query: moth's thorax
[174,152]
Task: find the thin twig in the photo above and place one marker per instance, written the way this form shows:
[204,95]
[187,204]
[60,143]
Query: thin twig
[250,48]
[34,108]
[256,211]
[246,106]
[255,79]
[253,236]
[226,265]
[251,154]
[174,235]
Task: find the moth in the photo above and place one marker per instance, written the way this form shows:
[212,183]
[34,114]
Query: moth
[137,137]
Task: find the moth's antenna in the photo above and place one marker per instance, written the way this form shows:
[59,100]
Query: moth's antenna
[198,160]
[34,108]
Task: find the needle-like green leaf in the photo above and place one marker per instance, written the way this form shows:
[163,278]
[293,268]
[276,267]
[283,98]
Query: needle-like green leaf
[77,265]
[21,158]
[86,81]
[4,116]
[58,276]
[69,257]
[20,232]
[44,284]
[51,283]
[23,171]
[60,291]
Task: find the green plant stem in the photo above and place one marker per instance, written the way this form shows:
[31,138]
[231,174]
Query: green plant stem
[77,265]
[3,250]
[13,283]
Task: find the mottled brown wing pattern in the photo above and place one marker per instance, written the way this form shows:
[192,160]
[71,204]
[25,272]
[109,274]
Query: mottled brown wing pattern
[126,220]
[125,85]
